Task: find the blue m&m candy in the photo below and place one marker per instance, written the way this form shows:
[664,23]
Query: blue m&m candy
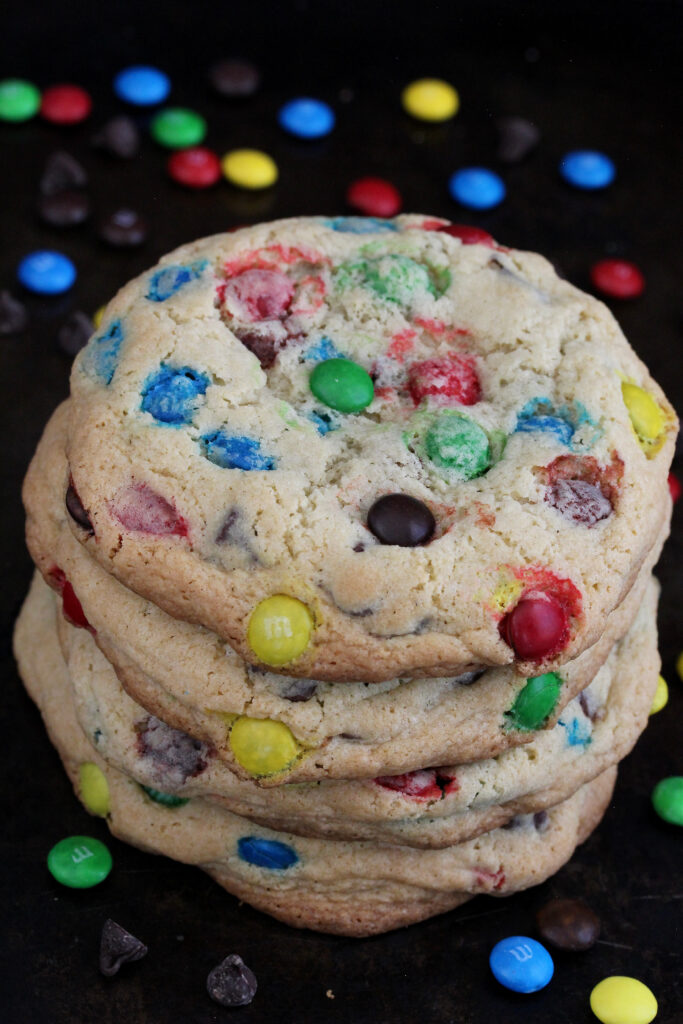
[306,118]
[266,853]
[142,86]
[46,272]
[587,169]
[521,964]
[477,188]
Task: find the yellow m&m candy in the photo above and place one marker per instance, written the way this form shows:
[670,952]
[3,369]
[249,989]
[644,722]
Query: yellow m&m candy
[263,746]
[249,168]
[646,415]
[621,1000]
[661,696]
[279,629]
[430,99]
[94,789]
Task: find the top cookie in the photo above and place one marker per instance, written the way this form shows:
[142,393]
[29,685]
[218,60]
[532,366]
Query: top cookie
[358,449]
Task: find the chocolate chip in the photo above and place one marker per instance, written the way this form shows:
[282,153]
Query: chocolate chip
[517,138]
[74,507]
[358,548]
[119,137]
[298,689]
[231,983]
[467,678]
[13,315]
[590,707]
[541,821]
[579,501]
[265,348]
[234,78]
[64,209]
[175,755]
[123,229]
[568,924]
[118,947]
[75,333]
[401,520]
[62,172]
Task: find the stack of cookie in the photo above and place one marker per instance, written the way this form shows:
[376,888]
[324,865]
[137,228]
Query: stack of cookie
[345,539]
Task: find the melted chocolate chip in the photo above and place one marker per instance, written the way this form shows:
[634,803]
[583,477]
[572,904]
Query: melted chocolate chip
[401,520]
[13,315]
[75,333]
[123,229]
[74,507]
[517,138]
[579,501]
[175,755]
[264,348]
[298,689]
[358,548]
[231,983]
[568,924]
[541,821]
[64,209]
[62,171]
[590,707]
[117,947]
[119,137]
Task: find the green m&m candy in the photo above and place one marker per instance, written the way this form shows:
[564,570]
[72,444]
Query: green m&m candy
[457,443]
[342,384]
[166,799]
[177,128]
[535,702]
[667,799]
[19,100]
[79,862]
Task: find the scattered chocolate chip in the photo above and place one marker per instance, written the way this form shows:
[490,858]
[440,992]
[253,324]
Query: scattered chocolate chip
[568,924]
[62,171]
[175,755]
[234,78]
[119,137]
[74,507]
[467,678]
[298,689]
[579,501]
[265,348]
[541,821]
[75,333]
[401,520]
[123,229]
[64,209]
[118,947]
[13,315]
[517,138]
[232,983]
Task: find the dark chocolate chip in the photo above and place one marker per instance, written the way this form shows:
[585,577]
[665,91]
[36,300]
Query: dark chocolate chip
[62,171]
[175,755]
[467,678]
[579,501]
[119,137]
[590,707]
[64,209]
[401,520]
[265,348]
[75,333]
[13,315]
[517,138]
[74,507]
[515,822]
[232,983]
[541,821]
[118,947]
[568,924]
[358,548]
[123,229]
[234,78]
[298,689]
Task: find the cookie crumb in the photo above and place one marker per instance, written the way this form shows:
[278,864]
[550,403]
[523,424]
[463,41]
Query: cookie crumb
[329,994]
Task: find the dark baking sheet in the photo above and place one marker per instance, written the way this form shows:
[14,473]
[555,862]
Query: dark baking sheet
[603,76]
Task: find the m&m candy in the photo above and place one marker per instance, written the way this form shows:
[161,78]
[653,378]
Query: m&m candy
[402,520]
[65,104]
[46,272]
[477,188]
[645,413]
[94,788]
[196,167]
[622,1000]
[306,118]
[661,696]
[79,862]
[535,702]
[178,128]
[536,627]
[667,799]
[279,629]
[617,278]
[521,964]
[342,384]
[141,85]
[263,746]
[19,100]
[430,99]
[374,197]
[249,168]
[587,169]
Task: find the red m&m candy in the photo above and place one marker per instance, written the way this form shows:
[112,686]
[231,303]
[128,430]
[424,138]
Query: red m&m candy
[65,104]
[468,234]
[374,197]
[196,167]
[538,626]
[452,377]
[674,487]
[618,278]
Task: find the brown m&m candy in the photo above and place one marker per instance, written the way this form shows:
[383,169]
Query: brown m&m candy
[568,924]
[401,520]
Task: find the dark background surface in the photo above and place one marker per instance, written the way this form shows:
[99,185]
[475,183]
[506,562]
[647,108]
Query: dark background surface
[589,75]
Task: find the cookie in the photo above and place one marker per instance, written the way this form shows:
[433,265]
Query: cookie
[190,679]
[432,807]
[359,449]
[345,888]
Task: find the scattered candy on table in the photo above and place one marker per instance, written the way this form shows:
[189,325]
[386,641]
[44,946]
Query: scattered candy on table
[142,85]
[118,947]
[587,169]
[568,924]
[231,983]
[477,188]
[196,167]
[263,746]
[517,138]
[79,862]
[618,278]
[622,1000]
[674,487]
[306,118]
[13,315]
[119,137]
[234,78]
[178,128]
[249,168]
[342,384]
[679,666]
[661,696]
[430,99]
[123,229]
[521,964]
[46,272]
[64,209]
[62,172]
[667,799]
[19,100]
[374,197]
[65,104]
[279,629]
